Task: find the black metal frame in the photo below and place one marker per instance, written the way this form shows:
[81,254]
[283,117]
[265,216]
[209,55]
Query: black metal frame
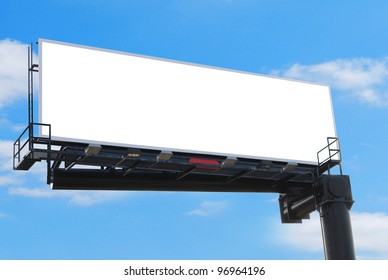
[65,157]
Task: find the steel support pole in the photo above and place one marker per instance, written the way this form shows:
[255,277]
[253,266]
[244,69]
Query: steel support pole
[334,205]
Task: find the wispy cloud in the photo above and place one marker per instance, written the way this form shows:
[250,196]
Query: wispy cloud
[9,177]
[80,198]
[2,215]
[5,149]
[208,208]
[6,124]
[31,192]
[13,71]
[6,180]
[6,177]
[365,79]
[369,232]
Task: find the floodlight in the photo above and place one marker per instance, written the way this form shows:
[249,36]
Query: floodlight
[164,155]
[267,164]
[290,166]
[229,162]
[131,152]
[92,149]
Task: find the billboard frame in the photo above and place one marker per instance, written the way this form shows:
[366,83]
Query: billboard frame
[252,139]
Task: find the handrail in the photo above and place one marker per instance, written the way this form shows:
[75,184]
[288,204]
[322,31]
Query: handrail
[337,151]
[18,146]
[334,154]
[17,154]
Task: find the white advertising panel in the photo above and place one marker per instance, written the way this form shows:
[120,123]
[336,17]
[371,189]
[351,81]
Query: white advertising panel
[93,95]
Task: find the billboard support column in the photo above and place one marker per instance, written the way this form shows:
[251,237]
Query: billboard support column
[32,67]
[334,203]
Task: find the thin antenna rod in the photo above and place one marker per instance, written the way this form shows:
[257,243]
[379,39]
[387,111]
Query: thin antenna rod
[30,96]
[31,90]
[29,85]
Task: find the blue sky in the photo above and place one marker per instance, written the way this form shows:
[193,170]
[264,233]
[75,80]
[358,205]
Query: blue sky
[341,43]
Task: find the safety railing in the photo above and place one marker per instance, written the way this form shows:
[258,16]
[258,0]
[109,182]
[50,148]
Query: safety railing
[25,144]
[330,155]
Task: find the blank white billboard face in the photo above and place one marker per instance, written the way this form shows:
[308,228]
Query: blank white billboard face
[92,95]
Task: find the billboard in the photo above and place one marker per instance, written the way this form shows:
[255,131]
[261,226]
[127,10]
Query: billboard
[92,95]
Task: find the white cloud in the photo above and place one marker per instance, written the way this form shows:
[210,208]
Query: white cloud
[5,149]
[2,215]
[6,177]
[306,236]
[89,198]
[6,181]
[13,71]
[365,79]
[208,208]
[29,192]
[80,198]
[10,177]
[370,231]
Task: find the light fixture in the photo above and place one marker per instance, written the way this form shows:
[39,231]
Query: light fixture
[164,155]
[229,162]
[290,166]
[265,164]
[93,149]
[132,152]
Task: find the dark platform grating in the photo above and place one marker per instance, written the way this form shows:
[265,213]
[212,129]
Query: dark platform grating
[72,165]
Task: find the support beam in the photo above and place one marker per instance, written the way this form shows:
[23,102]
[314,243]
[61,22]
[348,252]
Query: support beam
[95,179]
[335,203]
